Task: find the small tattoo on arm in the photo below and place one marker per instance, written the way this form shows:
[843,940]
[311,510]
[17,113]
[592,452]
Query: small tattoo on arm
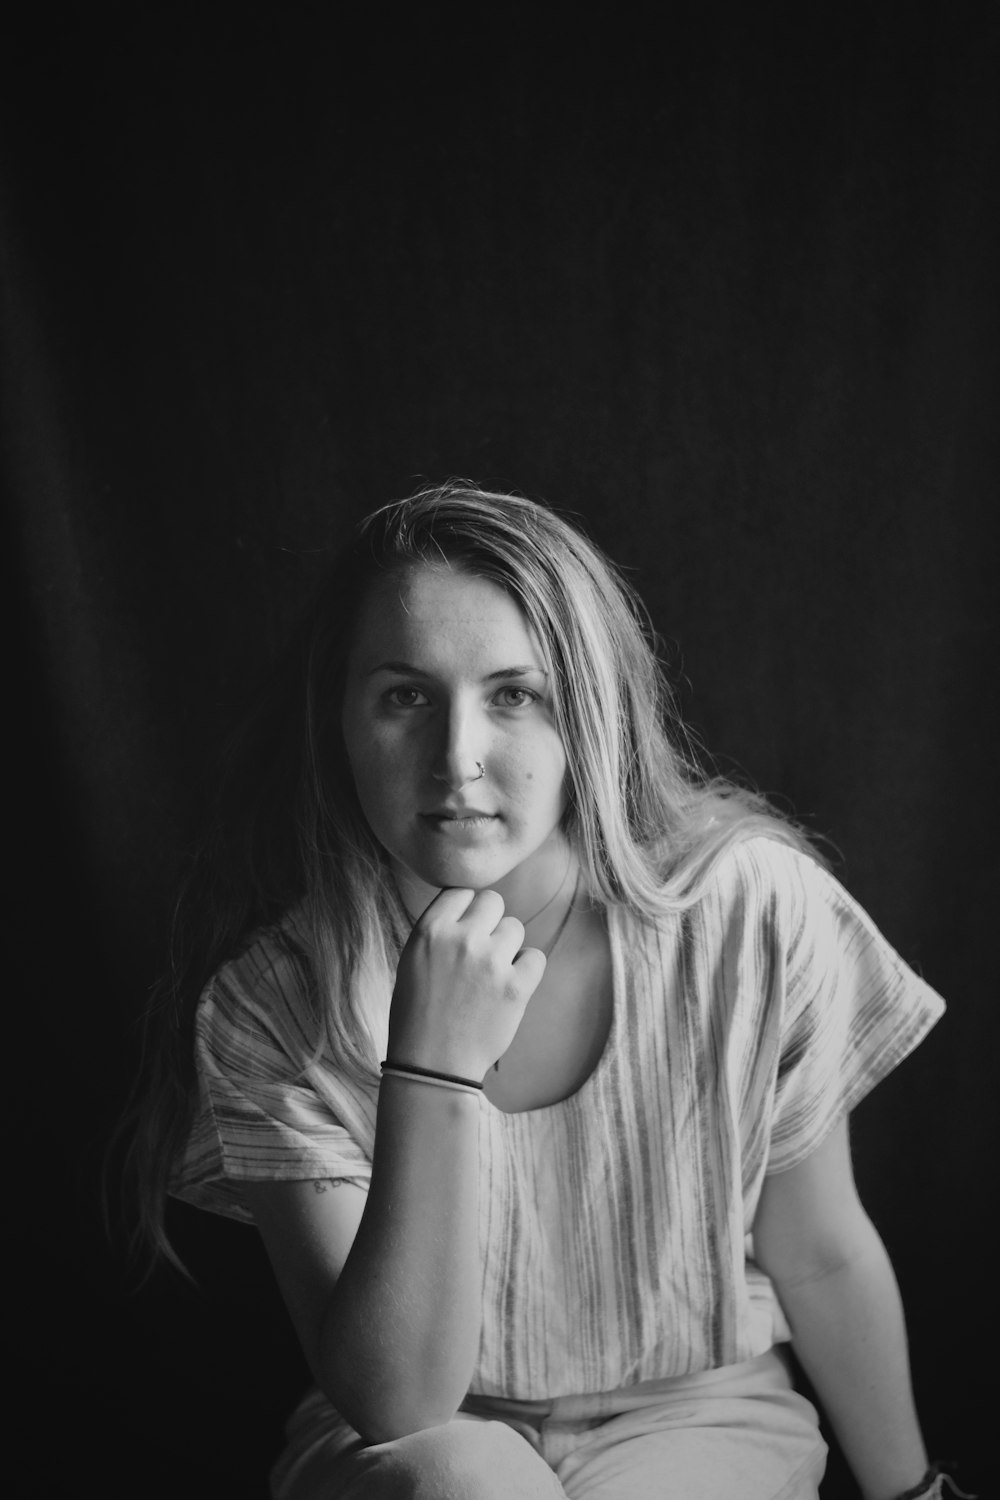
[320,1184]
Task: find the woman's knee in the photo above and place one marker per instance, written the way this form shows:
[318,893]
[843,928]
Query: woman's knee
[462,1460]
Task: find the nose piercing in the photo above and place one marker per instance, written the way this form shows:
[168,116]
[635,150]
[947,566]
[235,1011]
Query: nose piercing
[482,771]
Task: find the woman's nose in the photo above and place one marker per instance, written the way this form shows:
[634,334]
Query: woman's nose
[460,754]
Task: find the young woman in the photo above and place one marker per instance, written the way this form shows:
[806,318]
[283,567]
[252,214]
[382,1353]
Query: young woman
[530,1052]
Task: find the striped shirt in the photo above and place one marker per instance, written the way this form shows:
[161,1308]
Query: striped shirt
[614,1225]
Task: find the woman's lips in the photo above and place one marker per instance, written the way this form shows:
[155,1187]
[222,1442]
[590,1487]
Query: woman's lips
[457,822]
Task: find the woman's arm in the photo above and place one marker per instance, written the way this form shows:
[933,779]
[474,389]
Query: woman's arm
[385,1293]
[835,1283]
[384,1289]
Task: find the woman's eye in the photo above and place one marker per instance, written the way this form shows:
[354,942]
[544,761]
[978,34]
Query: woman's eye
[516,697]
[406,697]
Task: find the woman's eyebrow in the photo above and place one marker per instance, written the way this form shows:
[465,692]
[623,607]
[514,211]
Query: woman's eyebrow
[407,669]
[516,672]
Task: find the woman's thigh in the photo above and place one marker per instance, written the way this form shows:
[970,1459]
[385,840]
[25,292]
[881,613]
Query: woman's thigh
[750,1436]
[692,1466]
[467,1459]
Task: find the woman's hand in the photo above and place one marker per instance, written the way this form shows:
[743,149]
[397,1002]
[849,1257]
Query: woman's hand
[462,986]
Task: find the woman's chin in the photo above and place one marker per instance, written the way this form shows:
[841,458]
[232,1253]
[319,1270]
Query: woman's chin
[464,874]
[521,877]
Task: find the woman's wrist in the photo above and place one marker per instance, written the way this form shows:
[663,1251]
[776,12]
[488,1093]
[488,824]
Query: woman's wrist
[431,1077]
[931,1487]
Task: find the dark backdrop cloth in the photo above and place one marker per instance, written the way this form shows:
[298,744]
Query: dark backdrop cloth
[726,289]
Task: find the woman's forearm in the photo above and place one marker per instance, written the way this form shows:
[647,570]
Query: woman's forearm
[849,1334]
[400,1334]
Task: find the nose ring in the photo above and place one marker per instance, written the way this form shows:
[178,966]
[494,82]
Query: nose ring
[482,771]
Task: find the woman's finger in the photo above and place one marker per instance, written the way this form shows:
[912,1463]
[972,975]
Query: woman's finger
[450,904]
[529,966]
[509,935]
[487,908]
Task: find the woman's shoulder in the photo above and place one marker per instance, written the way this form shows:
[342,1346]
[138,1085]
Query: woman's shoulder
[770,862]
[789,892]
[266,980]
[756,868]
[755,882]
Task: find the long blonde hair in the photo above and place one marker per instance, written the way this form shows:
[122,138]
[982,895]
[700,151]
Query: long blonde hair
[647,820]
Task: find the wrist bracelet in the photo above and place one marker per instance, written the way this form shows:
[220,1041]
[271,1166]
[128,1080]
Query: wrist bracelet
[923,1488]
[931,1486]
[428,1075]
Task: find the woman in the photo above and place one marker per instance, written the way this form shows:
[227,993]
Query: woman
[529,1051]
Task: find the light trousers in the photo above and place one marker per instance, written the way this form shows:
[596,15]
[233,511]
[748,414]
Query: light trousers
[738,1433]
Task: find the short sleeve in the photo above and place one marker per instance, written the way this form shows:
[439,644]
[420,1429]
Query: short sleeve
[852,1010]
[263,1114]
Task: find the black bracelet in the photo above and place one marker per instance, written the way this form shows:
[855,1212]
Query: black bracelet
[922,1487]
[411,1068]
[930,1486]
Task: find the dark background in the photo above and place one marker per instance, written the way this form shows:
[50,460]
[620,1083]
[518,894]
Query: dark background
[725,287]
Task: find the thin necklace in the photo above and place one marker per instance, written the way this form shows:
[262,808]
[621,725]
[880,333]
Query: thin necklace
[557,892]
[550,947]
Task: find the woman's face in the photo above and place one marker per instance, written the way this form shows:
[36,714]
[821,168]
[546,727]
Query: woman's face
[446,677]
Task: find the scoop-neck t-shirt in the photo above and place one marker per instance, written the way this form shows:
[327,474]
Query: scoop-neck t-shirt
[615,1225]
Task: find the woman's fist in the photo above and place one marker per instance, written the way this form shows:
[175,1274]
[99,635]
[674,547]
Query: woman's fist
[462,985]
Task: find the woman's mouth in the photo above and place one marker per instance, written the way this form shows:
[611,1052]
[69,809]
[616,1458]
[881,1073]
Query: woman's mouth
[458,821]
